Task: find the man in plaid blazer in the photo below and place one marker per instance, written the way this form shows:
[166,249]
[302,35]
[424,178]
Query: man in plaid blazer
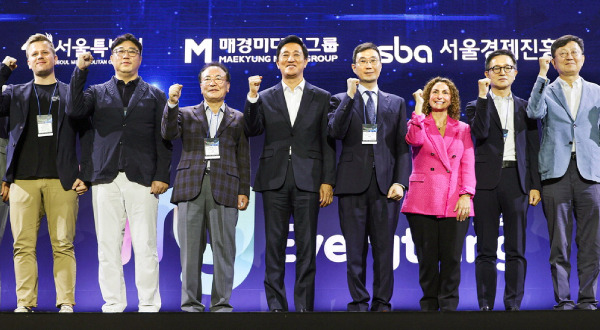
[211,185]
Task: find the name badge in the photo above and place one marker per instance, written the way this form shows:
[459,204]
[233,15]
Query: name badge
[369,135]
[211,148]
[44,125]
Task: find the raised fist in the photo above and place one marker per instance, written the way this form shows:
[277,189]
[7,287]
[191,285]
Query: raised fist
[484,85]
[175,93]
[352,86]
[84,60]
[10,62]
[254,84]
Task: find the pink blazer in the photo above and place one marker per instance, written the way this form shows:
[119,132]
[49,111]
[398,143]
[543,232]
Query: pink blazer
[443,168]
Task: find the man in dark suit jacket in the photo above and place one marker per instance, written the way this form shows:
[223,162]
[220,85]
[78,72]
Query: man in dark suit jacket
[372,175]
[43,171]
[211,185]
[131,163]
[296,170]
[506,162]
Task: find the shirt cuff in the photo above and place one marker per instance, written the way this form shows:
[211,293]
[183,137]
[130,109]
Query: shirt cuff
[252,99]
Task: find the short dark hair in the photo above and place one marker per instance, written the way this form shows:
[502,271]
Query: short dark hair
[126,37]
[362,47]
[218,65]
[562,41]
[500,52]
[292,39]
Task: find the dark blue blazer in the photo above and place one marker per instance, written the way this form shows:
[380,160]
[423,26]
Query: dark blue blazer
[14,103]
[313,152]
[391,153]
[486,130]
[146,155]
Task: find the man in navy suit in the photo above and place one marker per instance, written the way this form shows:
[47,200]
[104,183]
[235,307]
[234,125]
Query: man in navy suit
[296,172]
[506,151]
[372,175]
[211,186]
[131,163]
[568,163]
[43,172]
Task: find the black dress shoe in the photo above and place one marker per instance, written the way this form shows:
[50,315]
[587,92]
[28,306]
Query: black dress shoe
[303,310]
[485,309]
[277,310]
[513,309]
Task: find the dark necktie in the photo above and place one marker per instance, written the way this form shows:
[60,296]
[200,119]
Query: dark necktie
[370,108]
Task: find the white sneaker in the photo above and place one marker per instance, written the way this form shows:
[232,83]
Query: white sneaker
[23,309]
[65,308]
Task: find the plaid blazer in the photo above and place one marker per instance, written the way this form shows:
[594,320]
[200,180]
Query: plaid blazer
[229,175]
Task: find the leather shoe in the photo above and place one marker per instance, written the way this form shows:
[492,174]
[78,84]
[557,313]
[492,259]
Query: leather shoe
[485,309]
[303,310]
[277,310]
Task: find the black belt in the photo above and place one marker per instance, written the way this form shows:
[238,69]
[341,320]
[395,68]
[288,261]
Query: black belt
[573,156]
[509,163]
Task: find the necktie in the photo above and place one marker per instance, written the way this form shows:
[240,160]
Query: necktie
[370,108]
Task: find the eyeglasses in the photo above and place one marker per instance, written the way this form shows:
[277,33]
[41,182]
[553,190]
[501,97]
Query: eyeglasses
[217,79]
[120,52]
[506,68]
[565,54]
[364,62]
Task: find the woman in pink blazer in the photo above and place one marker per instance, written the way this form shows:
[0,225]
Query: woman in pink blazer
[441,187]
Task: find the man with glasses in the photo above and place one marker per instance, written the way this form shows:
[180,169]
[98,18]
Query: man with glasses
[212,184]
[506,168]
[296,170]
[568,163]
[131,164]
[372,175]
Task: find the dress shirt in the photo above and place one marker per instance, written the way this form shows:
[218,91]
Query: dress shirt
[506,111]
[293,98]
[362,90]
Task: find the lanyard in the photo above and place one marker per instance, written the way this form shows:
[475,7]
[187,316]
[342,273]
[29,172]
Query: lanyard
[38,99]
[210,123]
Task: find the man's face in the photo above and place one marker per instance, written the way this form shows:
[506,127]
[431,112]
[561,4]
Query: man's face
[502,72]
[126,58]
[568,59]
[368,66]
[291,61]
[214,84]
[40,58]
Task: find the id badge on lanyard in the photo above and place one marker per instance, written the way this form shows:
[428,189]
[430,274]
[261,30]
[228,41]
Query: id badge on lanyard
[211,148]
[369,133]
[44,122]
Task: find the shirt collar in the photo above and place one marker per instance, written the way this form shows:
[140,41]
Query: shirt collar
[300,86]
[362,89]
[576,84]
[208,110]
[500,98]
[134,82]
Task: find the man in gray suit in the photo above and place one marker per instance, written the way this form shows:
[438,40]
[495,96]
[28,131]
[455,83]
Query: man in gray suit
[212,184]
[568,164]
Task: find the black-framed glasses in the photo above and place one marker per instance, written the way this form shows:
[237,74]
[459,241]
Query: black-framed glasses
[506,68]
[120,52]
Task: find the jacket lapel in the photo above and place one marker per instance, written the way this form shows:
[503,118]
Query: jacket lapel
[200,113]
[437,140]
[559,95]
[280,103]
[307,95]
[494,112]
[140,90]
[62,90]
[585,98]
[226,121]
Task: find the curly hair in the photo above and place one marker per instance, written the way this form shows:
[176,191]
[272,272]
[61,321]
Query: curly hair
[454,108]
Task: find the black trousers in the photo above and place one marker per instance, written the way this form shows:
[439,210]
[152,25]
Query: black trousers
[369,216]
[509,200]
[438,243]
[303,206]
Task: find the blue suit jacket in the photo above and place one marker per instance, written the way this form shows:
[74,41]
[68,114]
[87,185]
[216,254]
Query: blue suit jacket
[14,103]
[486,129]
[390,154]
[313,152]
[146,155]
[548,103]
